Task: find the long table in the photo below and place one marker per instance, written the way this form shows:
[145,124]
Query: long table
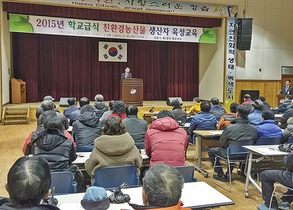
[264,151]
[195,195]
[203,134]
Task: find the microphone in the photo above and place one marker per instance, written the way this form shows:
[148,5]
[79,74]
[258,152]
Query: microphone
[152,109]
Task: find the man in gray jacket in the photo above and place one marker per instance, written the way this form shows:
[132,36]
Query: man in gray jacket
[241,130]
[135,126]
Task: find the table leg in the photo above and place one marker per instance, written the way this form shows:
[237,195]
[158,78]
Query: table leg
[199,166]
[249,177]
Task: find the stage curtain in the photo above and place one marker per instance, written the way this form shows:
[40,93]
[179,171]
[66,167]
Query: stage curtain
[64,66]
[107,15]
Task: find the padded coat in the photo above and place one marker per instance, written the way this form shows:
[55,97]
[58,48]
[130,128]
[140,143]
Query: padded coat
[165,142]
[268,128]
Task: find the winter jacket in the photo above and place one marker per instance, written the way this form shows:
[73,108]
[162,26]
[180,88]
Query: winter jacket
[226,120]
[53,145]
[287,133]
[123,115]
[283,107]
[286,115]
[9,206]
[67,112]
[100,108]
[115,150]
[217,111]
[136,127]
[203,121]
[254,117]
[179,113]
[165,142]
[241,130]
[266,106]
[195,108]
[268,128]
[86,129]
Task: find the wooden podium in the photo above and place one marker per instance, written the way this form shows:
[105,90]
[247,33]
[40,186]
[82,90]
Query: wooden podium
[18,91]
[131,91]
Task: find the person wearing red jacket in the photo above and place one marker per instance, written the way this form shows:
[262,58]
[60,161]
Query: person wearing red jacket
[165,141]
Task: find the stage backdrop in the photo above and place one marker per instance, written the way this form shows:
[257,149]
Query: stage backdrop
[64,66]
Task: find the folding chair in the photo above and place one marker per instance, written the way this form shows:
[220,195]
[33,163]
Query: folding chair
[63,182]
[268,141]
[112,177]
[235,153]
[139,145]
[187,173]
[85,149]
[274,192]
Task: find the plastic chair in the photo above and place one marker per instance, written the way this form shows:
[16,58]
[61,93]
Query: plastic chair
[139,145]
[187,173]
[63,182]
[85,149]
[268,141]
[235,153]
[290,140]
[112,177]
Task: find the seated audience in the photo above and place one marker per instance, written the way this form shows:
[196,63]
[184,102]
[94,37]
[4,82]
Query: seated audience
[202,121]
[48,105]
[267,126]
[216,109]
[284,106]
[28,182]
[165,141]
[28,147]
[135,126]
[266,105]
[53,145]
[195,107]
[286,115]
[108,113]
[241,130]
[288,132]
[87,127]
[75,114]
[72,107]
[254,117]
[177,110]
[118,110]
[227,118]
[284,177]
[100,106]
[247,101]
[114,147]
[162,188]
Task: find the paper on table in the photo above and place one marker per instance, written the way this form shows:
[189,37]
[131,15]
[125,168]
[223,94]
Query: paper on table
[71,206]
[216,132]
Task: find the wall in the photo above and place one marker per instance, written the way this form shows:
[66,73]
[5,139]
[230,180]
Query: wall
[6,61]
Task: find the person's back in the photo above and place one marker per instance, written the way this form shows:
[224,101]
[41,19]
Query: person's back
[72,107]
[285,105]
[75,114]
[165,142]
[267,127]
[118,110]
[266,105]
[135,126]
[177,110]
[203,120]
[195,107]
[216,109]
[288,131]
[54,146]
[100,106]
[228,118]
[108,113]
[87,127]
[255,115]
[28,182]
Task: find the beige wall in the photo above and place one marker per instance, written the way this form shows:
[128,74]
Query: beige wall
[6,58]
[211,66]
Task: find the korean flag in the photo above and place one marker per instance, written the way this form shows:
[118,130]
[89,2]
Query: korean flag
[112,51]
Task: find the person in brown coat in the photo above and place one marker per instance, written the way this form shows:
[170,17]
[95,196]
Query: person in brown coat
[115,147]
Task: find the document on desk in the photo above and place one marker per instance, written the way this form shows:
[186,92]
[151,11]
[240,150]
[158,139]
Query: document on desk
[216,132]
[71,206]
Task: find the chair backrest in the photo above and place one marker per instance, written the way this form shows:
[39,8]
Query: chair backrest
[290,140]
[235,147]
[187,173]
[268,141]
[63,182]
[85,149]
[112,177]
[139,145]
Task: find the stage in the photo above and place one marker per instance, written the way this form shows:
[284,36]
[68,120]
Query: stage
[142,110]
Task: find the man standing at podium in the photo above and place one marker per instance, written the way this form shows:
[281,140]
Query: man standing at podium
[126,74]
[287,89]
